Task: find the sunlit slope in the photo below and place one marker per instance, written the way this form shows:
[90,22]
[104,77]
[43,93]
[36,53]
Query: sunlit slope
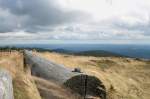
[27,87]
[23,85]
[124,78]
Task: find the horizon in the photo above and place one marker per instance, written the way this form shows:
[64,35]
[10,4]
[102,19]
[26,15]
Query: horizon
[128,50]
[112,42]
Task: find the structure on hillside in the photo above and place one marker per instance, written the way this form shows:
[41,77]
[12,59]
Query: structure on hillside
[6,87]
[81,83]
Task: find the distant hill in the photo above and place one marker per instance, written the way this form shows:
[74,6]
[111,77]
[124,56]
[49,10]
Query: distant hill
[131,50]
[99,53]
[96,53]
[8,48]
[62,51]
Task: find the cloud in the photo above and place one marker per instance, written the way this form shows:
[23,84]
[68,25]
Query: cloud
[7,21]
[34,15]
[74,20]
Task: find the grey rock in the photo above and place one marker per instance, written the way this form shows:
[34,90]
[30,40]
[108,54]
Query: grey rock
[6,88]
[75,80]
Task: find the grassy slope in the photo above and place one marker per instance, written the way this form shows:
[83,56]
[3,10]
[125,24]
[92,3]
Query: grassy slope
[124,78]
[24,86]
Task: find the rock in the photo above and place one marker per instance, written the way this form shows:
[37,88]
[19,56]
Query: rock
[75,80]
[6,88]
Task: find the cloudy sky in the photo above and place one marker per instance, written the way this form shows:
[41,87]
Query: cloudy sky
[75,21]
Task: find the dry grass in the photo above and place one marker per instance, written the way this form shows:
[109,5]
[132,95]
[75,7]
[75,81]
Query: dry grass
[24,86]
[50,90]
[124,78]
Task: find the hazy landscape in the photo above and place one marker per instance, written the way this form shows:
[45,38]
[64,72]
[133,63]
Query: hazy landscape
[129,50]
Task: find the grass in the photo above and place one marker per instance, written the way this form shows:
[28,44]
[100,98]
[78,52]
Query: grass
[104,64]
[124,78]
[19,90]
[51,90]
[27,87]
[24,87]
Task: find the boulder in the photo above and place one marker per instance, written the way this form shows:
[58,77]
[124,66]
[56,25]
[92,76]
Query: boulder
[6,87]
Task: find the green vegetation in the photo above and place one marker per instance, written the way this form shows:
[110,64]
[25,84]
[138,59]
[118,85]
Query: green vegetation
[96,53]
[8,48]
[99,53]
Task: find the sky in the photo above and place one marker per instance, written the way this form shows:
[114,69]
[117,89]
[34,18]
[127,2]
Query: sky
[75,21]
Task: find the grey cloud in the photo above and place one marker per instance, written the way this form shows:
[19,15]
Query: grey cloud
[138,27]
[47,20]
[33,14]
[7,22]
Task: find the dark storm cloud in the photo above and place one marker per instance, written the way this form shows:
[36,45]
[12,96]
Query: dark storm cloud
[33,14]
